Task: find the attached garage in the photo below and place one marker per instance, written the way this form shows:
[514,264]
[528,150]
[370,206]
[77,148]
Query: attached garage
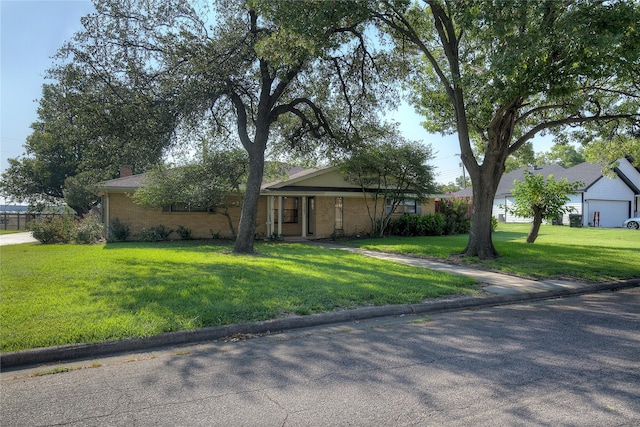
[611,212]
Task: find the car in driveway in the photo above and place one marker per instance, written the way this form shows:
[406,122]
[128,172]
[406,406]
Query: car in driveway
[632,223]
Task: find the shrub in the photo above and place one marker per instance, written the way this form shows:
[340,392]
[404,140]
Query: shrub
[118,231]
[67,229]
[432,225]
[88,230]
[55,229]
[155,234]
[456,213]
[184,233]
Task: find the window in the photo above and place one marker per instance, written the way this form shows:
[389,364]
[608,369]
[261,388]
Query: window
[338,212]
[405,206]
[184,207]
[289,210]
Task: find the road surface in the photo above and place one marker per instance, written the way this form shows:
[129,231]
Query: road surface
[569,362]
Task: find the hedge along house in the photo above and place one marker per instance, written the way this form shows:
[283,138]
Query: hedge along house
[308,204]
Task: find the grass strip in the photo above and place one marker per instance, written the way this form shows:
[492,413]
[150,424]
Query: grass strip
[590,254]
[65,294]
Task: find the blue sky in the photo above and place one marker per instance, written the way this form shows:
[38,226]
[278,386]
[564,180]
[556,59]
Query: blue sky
[31,33]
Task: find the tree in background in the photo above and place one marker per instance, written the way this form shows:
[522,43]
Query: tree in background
[266,74]
[500,73]
[389,171]
[563,154]
[213,184]
[541,199]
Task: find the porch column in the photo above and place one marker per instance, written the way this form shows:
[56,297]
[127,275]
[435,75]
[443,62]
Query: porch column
[304,216]
[280,205]
[270,219]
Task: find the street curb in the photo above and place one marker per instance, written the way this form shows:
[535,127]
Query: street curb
[65,353]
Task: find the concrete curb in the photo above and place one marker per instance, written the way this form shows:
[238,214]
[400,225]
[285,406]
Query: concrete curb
[48,355]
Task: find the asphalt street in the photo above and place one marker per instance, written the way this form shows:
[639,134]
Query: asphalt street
[564,362]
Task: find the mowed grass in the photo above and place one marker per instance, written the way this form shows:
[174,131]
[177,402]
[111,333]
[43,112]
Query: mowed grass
[588,254]
[65,294]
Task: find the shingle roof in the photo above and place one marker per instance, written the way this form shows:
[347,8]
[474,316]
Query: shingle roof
[506,182]
[586,173]
[132,182]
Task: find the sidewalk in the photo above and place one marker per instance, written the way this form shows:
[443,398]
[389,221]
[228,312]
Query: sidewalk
[499,289]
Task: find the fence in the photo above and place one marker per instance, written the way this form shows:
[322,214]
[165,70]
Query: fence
[21,220]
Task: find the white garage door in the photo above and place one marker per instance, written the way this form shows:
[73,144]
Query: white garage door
[612,212]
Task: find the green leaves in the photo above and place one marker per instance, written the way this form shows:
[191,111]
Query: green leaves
[546,197]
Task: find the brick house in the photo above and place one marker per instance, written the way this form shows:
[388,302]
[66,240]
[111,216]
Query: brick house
[309,204]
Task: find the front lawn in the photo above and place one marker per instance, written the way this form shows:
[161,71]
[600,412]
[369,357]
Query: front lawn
[592,254]
[63,294]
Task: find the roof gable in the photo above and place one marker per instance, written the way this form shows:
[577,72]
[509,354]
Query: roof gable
[321,178]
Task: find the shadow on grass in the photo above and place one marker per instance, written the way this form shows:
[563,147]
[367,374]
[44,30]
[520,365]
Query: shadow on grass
[192,290]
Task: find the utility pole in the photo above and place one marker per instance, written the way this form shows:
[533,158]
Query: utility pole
[464,175]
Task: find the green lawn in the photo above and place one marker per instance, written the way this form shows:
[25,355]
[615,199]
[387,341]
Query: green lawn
[62,294]
[12,231]
[592,254]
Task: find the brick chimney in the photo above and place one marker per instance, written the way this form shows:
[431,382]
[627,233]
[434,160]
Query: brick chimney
[126,170]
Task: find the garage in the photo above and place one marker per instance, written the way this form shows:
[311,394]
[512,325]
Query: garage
[612,212]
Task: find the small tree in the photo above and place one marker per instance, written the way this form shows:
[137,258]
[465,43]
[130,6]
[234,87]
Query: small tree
[392,170]
[541,199]
[213,184]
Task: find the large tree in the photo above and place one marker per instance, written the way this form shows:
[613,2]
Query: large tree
[260,72]
[498,73]
[85,130]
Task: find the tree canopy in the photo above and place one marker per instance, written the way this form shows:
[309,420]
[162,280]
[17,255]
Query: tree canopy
[85,130]
[500,73]
[389,169]
[268,75]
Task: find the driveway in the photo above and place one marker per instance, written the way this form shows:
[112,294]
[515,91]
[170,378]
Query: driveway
[566,362]
[16,238]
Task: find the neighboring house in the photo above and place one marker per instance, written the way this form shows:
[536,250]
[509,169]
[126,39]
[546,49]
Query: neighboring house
[311,203]
[601,202]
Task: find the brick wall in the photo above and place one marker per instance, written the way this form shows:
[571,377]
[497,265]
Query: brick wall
[202,224]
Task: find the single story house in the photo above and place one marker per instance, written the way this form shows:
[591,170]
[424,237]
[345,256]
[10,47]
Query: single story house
[308,203]
[601,201]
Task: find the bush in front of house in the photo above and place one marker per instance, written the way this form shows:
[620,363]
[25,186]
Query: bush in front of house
[118,231]
[155,234]
[418,225]
[184,233]
[89,230]
[67,229]
[456,213]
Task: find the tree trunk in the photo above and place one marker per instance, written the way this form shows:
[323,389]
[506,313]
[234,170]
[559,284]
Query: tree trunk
[247,226]
[480,242]
[535,226]
[486,177]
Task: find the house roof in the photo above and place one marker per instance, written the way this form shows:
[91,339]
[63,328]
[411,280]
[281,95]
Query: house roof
[126,183]
[586,173]
[294,174]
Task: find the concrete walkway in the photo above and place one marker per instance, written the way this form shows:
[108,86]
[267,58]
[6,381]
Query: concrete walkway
[16,238]
[499,289]
[491,282]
